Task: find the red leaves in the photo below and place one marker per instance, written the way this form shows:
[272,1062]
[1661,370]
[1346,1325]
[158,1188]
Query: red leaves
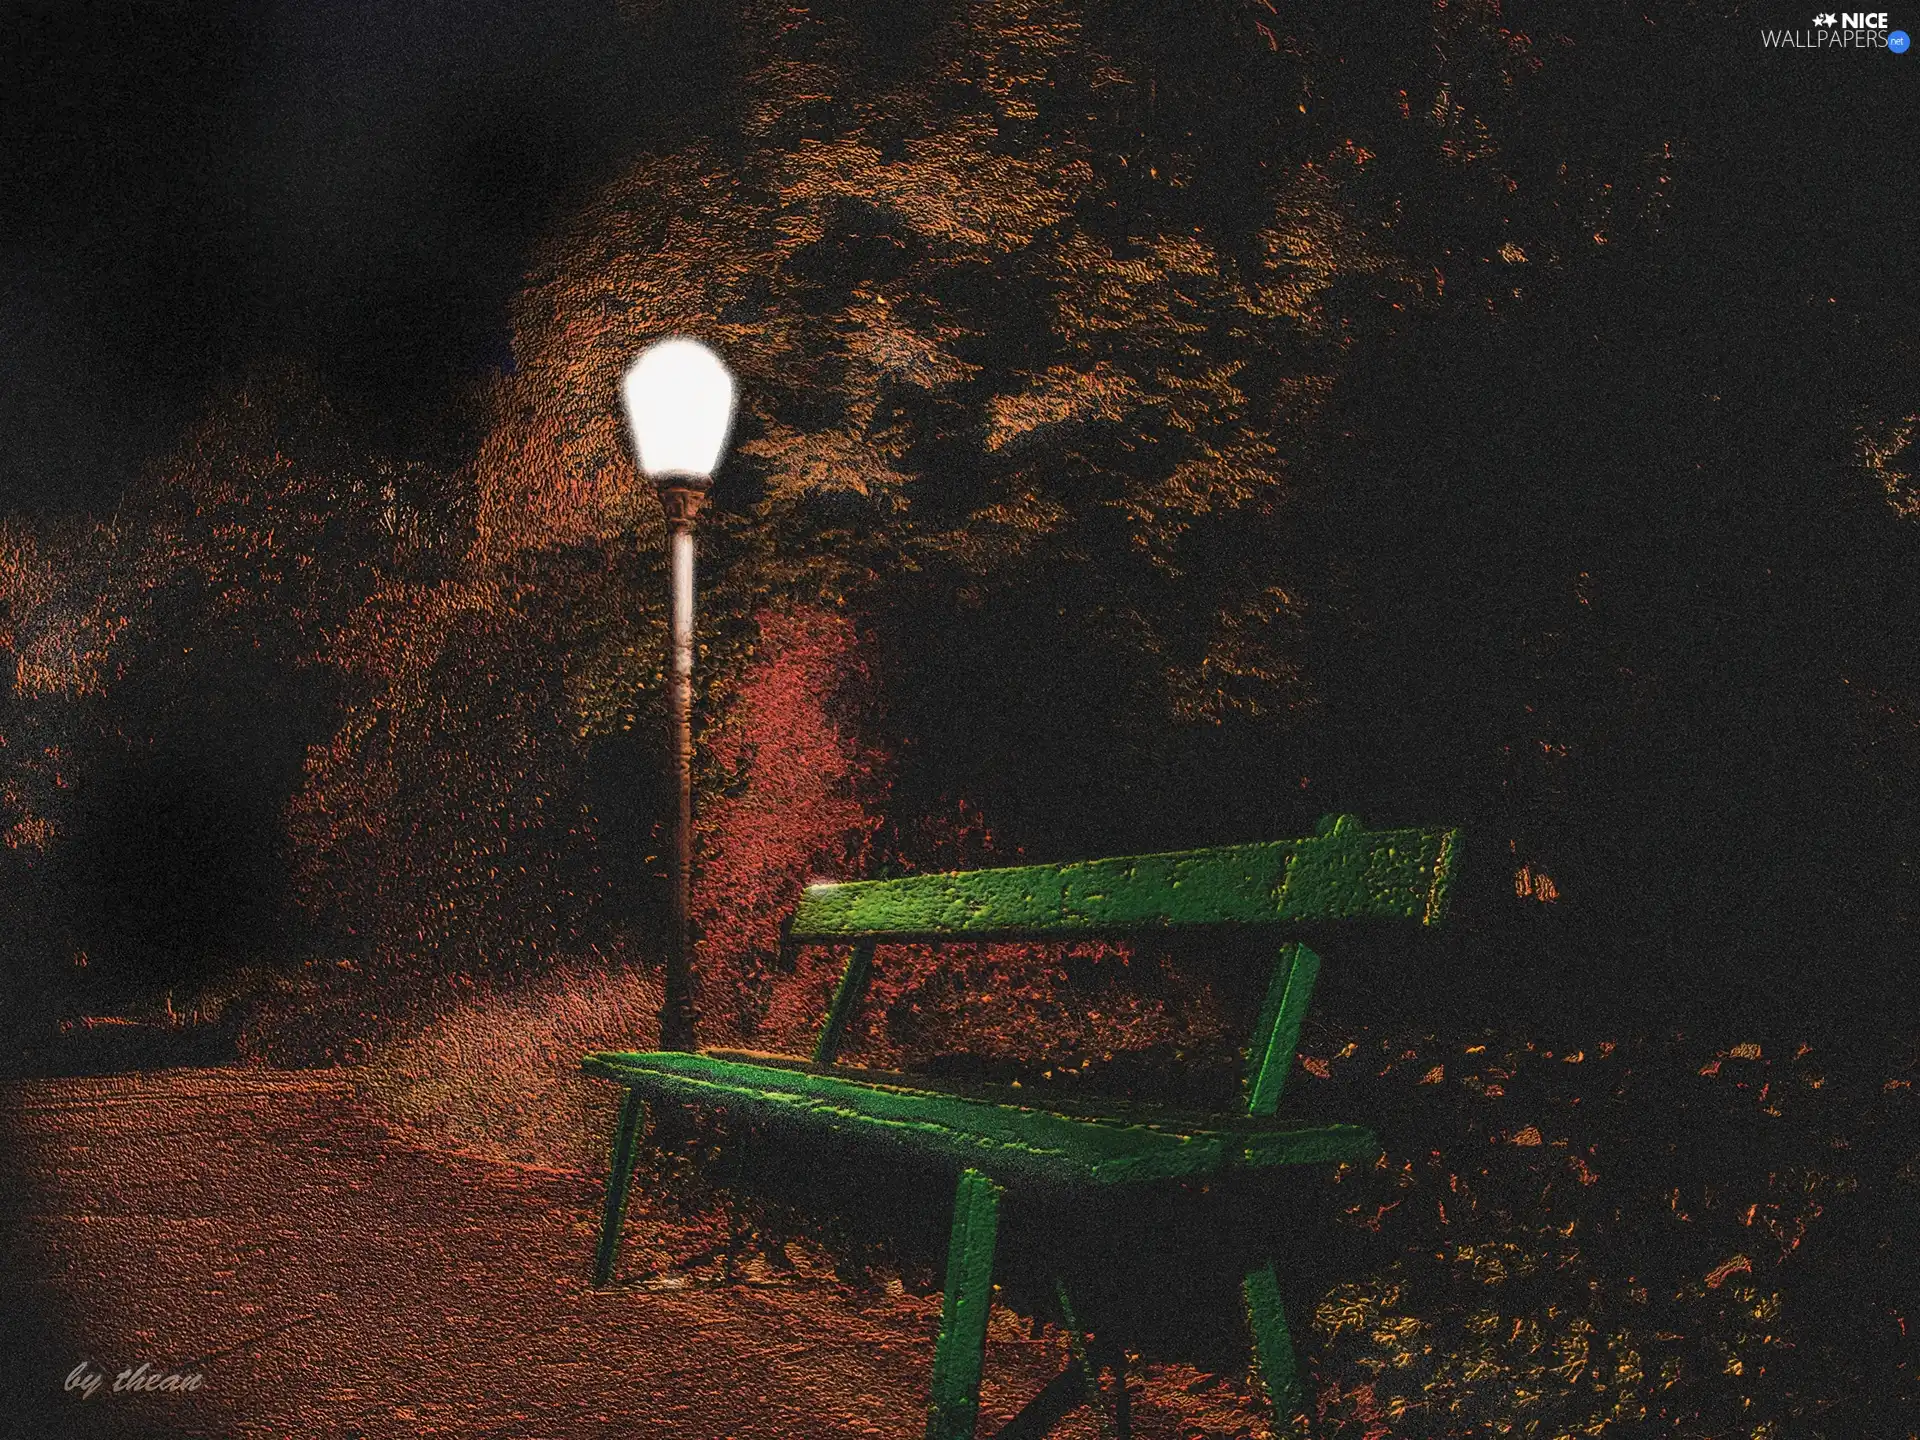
[803,803]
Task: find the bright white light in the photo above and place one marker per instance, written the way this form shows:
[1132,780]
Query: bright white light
[680,404]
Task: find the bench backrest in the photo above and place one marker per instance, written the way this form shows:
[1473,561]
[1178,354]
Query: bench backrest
[1343,872]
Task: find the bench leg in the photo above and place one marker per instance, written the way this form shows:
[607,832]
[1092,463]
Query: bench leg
[1058,1398]
[1272,1346]
[1078,1384]
[1086,1358]
[962,1346]
[626,1137]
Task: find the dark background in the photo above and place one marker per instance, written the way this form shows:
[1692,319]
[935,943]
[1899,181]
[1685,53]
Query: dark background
[185,188]
[187,192]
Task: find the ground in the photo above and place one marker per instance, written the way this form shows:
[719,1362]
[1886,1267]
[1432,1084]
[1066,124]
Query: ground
[1682,1235]
[330,1275]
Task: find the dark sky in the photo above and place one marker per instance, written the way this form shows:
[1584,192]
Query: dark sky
[186,187]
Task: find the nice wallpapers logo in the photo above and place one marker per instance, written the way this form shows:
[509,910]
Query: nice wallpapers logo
[1849,30]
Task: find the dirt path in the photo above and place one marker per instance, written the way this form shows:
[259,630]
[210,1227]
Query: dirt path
[329,1278]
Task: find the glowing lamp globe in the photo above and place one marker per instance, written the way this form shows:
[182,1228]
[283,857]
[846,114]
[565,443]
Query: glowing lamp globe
[679,398]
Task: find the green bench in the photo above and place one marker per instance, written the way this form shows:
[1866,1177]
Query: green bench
[1017,1137]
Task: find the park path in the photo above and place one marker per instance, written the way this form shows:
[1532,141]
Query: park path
[332,1278]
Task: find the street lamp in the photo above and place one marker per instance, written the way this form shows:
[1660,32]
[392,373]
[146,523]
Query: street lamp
[679,398]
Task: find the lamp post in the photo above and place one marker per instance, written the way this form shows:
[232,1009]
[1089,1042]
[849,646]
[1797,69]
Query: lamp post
[679,399]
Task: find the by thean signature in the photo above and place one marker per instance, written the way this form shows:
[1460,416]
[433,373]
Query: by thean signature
[87,1378]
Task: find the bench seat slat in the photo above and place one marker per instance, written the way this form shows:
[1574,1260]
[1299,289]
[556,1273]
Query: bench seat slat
[1344,873]
[997,1137]
[1073,1103]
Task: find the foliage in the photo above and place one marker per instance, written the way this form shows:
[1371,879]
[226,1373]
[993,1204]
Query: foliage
[443,827]
[797,794]
[1742,1266]
[1199,461]
[901,418]
[163,685]
[1200,425]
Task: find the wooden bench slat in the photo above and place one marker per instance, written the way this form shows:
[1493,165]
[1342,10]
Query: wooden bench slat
[1343,873]
[998,1139]
[1062,1100]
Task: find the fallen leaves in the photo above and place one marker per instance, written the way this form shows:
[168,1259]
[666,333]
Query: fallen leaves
[1717,1276]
